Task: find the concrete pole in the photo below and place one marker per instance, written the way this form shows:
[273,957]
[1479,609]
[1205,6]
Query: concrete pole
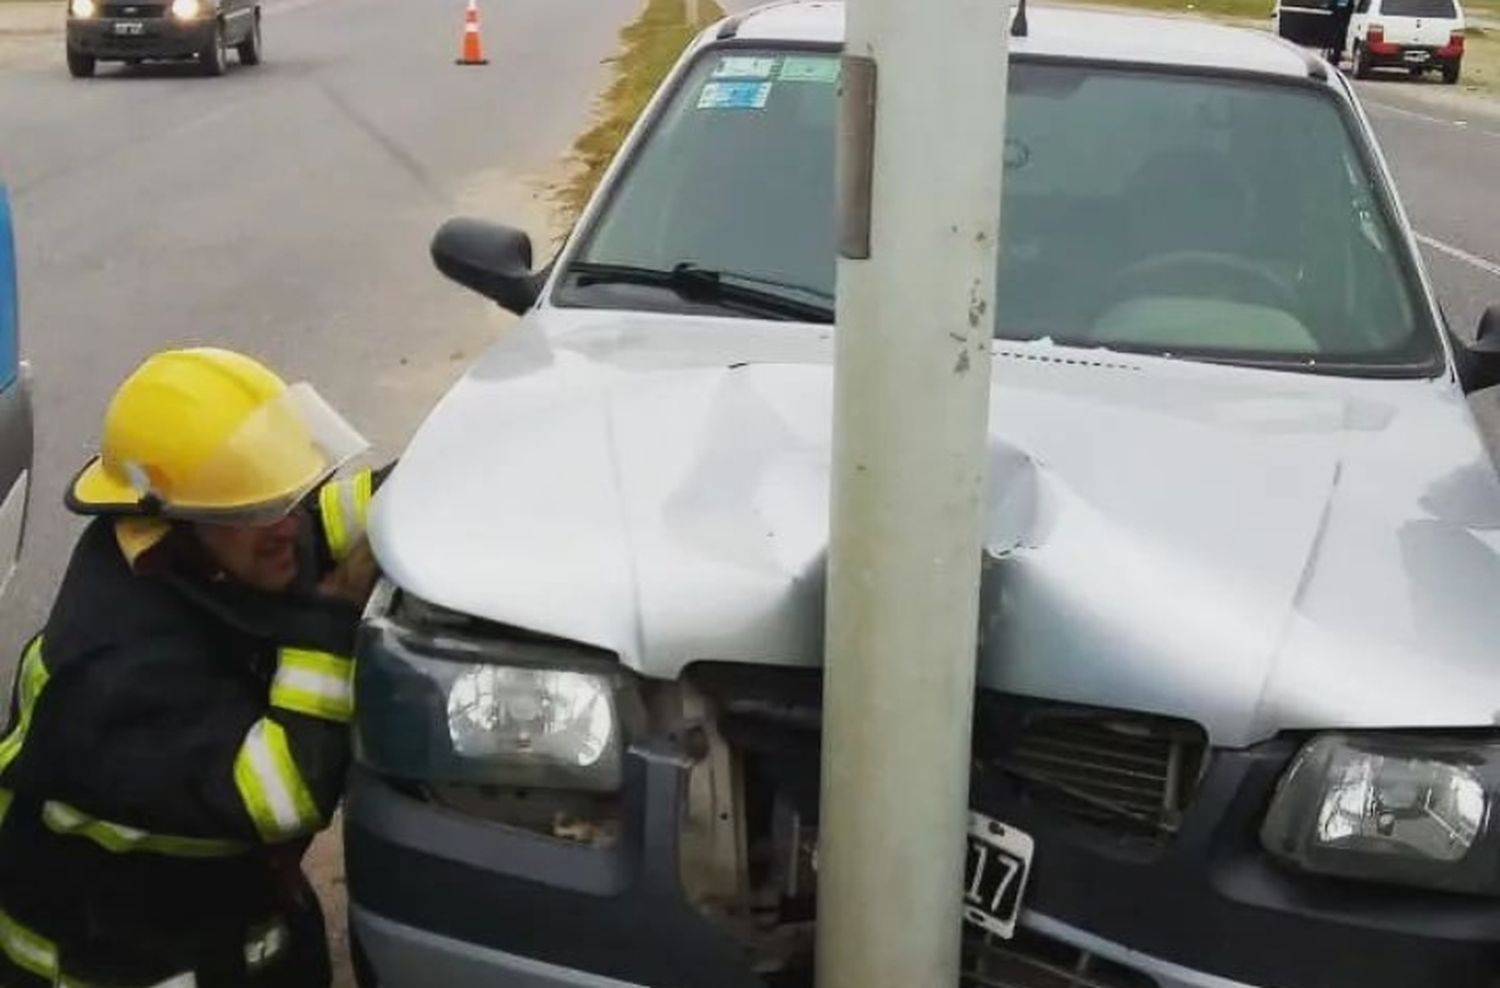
[922,132]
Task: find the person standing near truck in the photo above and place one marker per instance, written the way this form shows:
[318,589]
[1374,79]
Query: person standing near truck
[1339,15]
[179,728]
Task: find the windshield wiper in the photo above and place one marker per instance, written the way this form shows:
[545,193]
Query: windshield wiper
[742,292]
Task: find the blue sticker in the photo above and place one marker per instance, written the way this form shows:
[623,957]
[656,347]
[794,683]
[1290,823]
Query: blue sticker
[734,96]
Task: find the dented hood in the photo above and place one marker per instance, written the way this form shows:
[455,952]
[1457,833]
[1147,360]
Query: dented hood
[1252,550]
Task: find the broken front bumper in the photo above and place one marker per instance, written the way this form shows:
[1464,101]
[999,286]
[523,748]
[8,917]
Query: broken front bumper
[433,890]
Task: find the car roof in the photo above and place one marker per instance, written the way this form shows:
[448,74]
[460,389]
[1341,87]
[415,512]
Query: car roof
[1065,32]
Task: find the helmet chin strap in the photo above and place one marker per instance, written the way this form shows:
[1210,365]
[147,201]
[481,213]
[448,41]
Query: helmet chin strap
[138,477]
[149,502]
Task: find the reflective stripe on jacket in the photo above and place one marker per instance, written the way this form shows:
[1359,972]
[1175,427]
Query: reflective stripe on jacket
[344,510]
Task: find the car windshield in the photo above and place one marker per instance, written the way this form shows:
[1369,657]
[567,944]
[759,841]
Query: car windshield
[1187,215]
[1419,8]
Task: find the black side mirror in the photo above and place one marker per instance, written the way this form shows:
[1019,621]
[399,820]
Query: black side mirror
[1479,362]
[491,259]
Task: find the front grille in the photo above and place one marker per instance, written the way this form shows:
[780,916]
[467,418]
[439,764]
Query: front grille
[1034,961]
[1046,767]
[138,10]
[1130,773]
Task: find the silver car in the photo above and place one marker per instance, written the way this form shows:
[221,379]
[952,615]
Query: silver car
[1239,644]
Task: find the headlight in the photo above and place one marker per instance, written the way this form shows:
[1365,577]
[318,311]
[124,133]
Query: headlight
[1394,809]
[551,716]
[187,9]
[445,699]
[83,8]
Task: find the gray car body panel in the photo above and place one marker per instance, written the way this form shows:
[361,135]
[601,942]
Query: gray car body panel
[1252,550]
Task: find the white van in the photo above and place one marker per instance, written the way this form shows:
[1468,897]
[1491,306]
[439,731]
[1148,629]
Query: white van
[1417,35]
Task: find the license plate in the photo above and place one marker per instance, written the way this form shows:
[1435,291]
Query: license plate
[1416,56]
[130,27]
[995,875]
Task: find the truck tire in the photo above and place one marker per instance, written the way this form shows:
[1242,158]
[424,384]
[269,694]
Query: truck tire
[1450,73]
[1362,62]
[249,49]
[213,60]
[81,66]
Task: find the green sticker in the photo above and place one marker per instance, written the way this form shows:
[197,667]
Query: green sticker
[745,67]
[795,68]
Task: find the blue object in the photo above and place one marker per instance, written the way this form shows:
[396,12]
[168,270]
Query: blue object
[734,96]
[10,315]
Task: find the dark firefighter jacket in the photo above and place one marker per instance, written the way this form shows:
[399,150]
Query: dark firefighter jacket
[174,740]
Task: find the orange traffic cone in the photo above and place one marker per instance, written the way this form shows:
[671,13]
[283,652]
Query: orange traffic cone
[472,52]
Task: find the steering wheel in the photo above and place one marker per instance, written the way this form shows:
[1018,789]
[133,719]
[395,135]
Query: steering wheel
[1201,273]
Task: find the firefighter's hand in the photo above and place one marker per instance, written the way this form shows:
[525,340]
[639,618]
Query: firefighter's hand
[354,578]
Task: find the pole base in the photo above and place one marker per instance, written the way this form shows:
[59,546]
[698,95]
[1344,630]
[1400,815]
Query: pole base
[460,61]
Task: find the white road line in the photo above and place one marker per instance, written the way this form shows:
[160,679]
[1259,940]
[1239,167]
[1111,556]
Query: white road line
[1487,266]
[1463,125]
[1398,111]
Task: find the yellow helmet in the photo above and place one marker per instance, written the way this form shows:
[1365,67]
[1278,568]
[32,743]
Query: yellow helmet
[211,435]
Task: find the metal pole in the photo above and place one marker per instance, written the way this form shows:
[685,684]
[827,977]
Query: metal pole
[923,134]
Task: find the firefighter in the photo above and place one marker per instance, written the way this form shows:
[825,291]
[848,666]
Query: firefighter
[179,729]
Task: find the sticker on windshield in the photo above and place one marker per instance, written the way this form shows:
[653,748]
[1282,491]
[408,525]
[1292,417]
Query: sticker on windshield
[801,68]
[745,67]
[734,96]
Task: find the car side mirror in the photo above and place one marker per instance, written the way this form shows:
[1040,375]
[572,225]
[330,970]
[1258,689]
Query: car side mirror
[1479,362]
[490,259]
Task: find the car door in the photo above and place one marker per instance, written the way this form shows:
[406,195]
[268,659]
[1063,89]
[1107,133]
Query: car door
[15,407]
[1304,22]
[239,19]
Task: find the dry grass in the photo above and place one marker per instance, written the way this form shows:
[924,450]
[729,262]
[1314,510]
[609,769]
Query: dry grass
[649,46]
[1481,71]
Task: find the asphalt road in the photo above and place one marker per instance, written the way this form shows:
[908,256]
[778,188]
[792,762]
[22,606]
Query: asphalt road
[1445,152]
[285,210]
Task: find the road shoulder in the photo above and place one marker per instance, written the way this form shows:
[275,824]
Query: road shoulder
[31,31]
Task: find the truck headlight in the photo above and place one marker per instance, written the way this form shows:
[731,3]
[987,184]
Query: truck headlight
[83,9]
[442,698]
[187,10]
[1391,808]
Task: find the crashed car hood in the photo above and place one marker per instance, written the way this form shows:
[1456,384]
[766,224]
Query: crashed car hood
[1256,551]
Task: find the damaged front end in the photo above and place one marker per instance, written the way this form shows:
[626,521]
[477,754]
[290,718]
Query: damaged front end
[677,821]
[750,833]
[526,800]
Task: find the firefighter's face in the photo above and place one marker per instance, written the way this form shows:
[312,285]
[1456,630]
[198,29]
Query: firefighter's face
[259,556]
